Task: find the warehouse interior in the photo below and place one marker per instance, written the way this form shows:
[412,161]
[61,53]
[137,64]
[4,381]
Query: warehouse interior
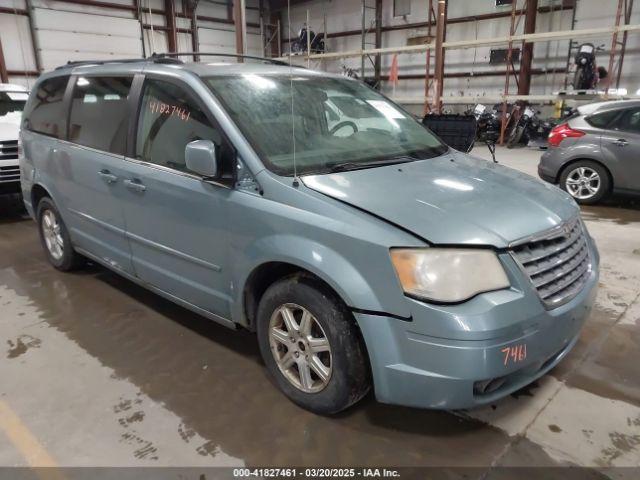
[98,370]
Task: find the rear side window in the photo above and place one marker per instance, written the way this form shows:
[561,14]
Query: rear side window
[602,120]
[629,121]
[45,111]
[100,113]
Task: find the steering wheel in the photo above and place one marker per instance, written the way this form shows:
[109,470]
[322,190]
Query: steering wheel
[346,123]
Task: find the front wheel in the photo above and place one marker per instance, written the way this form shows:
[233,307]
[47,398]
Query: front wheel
[311,345]
[579,79]
[586,181]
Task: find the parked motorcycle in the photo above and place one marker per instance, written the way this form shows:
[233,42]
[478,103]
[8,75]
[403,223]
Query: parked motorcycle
[587,72]
[349,72]
[299,45]
[530,129]
[488,121]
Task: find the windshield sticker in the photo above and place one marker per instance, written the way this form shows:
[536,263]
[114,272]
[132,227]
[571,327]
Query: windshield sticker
[385,109]
[169,110]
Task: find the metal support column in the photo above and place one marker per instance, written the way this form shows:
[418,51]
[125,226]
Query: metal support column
[378,62]
[623,45]
[170,16]
[623,13]
[367,27]
[441,29]
[191,12]
[524,82]
[571,47]
[308,24]
[428,79]
[238,20]
[4,75]
[510,67]
[34,36]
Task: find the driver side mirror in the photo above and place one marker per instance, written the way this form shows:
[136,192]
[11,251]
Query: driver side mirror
[200,157]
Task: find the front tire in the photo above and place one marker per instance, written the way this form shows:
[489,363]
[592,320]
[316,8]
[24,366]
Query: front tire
[55,237]
[586,181]
[311,345]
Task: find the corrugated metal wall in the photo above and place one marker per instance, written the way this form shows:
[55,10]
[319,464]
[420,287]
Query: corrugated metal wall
[67,31]
[346,15]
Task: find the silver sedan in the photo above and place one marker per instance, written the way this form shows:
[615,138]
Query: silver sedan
[596,151]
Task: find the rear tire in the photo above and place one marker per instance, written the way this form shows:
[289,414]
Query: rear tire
[515,136]
[586,181]
[54,237]
[329,354]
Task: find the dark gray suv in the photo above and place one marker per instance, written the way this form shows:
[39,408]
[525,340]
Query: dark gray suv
[596,151]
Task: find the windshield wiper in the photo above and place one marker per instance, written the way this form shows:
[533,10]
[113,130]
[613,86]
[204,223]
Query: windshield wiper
[347,166]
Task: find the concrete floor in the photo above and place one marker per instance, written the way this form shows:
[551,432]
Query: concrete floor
[95,371]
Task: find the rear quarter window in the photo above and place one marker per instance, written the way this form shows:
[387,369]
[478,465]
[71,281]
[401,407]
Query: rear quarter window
[45,112]
[602,120]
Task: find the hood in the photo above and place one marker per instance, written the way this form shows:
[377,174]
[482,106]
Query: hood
[452,199]
[10,126]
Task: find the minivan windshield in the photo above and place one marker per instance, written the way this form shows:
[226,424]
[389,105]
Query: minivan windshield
[338,124]
[12,104]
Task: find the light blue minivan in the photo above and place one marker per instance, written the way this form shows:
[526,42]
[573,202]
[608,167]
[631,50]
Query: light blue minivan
[310,209]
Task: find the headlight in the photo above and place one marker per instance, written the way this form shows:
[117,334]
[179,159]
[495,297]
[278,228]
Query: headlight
[448,274]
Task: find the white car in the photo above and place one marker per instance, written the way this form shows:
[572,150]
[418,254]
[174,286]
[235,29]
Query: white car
[12,101]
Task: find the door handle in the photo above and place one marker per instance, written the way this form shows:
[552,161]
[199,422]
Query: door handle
[107,176]
[135,185]
[621,142]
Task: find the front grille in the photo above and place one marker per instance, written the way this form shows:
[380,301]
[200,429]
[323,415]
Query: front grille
[9,150]
[557,262]
[10,174]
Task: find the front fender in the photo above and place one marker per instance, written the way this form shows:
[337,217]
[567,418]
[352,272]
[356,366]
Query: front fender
[322,261]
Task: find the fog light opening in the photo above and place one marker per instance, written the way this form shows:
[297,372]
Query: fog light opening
[486,387]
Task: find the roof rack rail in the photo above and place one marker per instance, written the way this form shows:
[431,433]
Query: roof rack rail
[158,56]
[79,63]
[168,58]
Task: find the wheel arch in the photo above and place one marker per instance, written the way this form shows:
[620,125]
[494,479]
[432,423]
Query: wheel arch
[38,192]
[273,258]
[573,161]
[265,275]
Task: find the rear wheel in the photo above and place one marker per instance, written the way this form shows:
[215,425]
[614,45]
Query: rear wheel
[55,237]
[311,345]
[515,136]
[586,181]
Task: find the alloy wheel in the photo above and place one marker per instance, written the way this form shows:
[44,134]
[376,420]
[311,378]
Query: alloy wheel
[583,183]
[300,348]
[52,235]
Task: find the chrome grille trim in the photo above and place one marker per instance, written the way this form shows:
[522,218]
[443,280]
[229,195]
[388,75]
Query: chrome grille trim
[557,262]
[9,174]
[9,150]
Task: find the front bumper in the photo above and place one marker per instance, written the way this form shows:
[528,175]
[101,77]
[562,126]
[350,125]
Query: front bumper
[455,356]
